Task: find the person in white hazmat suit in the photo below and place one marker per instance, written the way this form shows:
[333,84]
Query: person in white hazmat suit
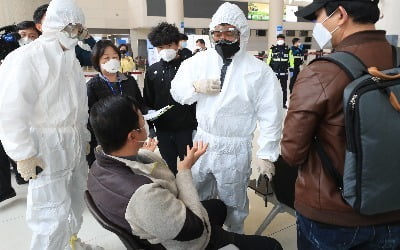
[44,112]
[233,91]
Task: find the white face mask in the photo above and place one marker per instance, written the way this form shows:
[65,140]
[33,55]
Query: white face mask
[67,42]
[280,42]
[24,41]
[321,34]
[112,66]
[167,54]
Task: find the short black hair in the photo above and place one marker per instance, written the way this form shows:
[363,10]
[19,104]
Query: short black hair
[295,40]
[183,37]
[281,36]
[200,41]
[164,34]
[27,25]
[361,12]
[112,119]
[98,51]
[123,45]
[39,13]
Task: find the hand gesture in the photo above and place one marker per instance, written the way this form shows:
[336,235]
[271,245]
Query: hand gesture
[192,155]
[150,144]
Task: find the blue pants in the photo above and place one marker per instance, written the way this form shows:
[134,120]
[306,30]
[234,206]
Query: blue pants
[313,235]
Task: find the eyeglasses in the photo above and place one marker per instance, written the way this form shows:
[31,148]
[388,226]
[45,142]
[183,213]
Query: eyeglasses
[139,129]
[225,33]
[76,30]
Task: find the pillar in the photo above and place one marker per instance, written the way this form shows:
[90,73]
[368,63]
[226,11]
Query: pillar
[175,13]
[275,19]
[389,22]
[18,10]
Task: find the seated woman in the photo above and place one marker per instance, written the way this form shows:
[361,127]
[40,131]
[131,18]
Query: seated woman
[135,189]
[106,60]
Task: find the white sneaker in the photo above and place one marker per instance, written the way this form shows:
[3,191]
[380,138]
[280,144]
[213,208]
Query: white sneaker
[78,244]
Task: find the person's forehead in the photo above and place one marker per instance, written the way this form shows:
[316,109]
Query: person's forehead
[225,26]
[29,31]
[109,51]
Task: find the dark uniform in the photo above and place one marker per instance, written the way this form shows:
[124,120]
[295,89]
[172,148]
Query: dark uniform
[175,127]
[298,55]
[184,53]
[280,59]
[100,87]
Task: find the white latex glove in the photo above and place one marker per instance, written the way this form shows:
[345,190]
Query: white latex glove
[27,168]
[208,86]
[265,167]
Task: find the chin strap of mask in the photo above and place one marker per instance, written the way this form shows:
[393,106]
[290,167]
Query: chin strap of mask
[227,62]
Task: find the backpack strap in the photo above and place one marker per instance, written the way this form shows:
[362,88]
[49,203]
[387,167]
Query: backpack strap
[347,61]
[327,165]
[354,69]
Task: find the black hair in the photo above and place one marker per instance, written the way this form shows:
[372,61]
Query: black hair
[361,12]
[39,13]
[183,37]
[98,51]
[27,25]
[123,45]
[112,119]
[200,41]
[281,36]
[164,34]
[295,40]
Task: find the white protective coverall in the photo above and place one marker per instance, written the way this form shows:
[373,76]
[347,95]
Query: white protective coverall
[250,93]
[44,112]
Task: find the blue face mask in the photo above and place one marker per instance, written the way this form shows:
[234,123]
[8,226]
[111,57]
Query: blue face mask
[184,44]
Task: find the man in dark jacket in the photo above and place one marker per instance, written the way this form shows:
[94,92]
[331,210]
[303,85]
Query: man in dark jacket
[148,201]
[174,128]
[325,220]
[183,52]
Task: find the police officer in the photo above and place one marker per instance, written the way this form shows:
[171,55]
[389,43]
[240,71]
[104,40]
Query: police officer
[298,55]
[280,59]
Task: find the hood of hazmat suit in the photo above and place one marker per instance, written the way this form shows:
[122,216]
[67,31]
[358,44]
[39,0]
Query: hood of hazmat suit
[249,93]
[233,15]
[44,110]
[60,14]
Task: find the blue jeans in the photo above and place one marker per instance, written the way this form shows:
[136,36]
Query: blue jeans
[313,235]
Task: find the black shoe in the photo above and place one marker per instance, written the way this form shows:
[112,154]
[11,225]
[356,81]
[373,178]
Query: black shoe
[4,198]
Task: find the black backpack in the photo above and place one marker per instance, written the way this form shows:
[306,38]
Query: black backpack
[371,180]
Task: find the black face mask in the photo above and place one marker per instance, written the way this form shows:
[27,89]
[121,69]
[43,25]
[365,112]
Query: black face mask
[123,52]
[226,49]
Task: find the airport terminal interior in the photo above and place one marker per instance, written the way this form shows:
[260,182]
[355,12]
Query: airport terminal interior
[129,22]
